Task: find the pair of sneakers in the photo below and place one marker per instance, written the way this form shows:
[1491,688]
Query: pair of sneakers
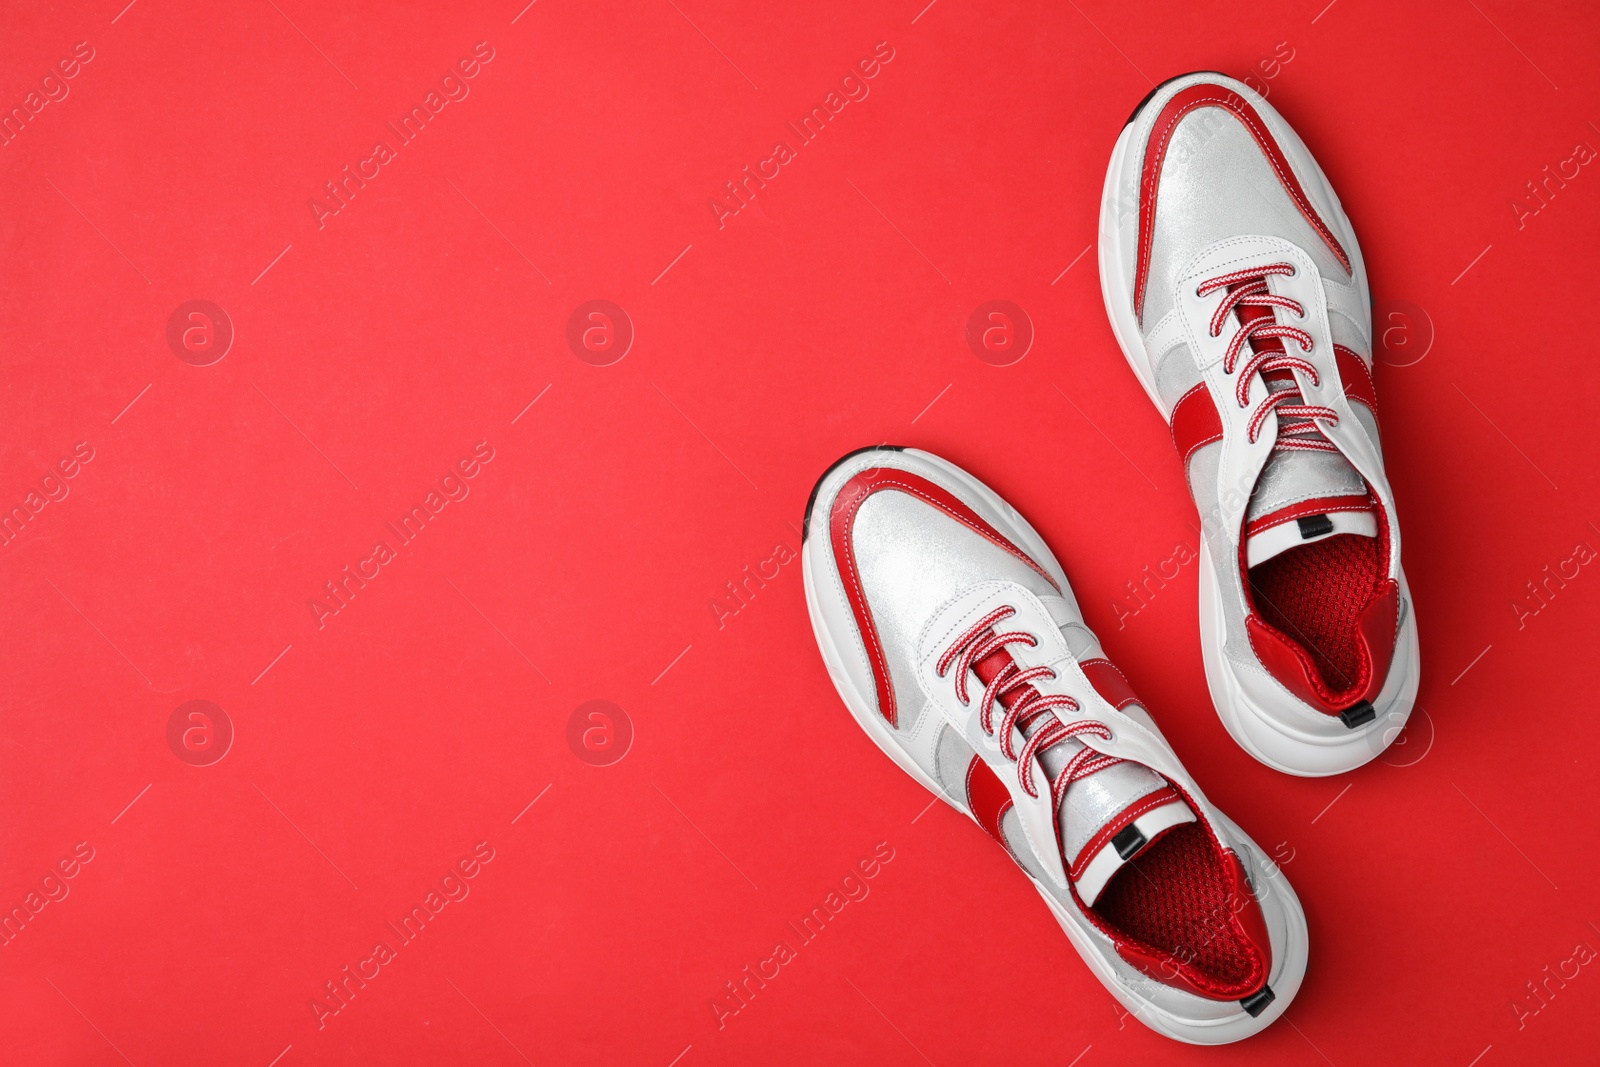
[1236,290]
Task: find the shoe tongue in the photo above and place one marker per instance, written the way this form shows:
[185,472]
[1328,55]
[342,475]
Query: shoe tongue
[1305,495]
[1106,818]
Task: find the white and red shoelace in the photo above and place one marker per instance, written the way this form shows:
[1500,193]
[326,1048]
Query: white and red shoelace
[981,641]
[1297,426]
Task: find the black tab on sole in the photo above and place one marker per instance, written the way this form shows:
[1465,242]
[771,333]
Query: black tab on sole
[1257,1002]
[1128,841]
[1358,714]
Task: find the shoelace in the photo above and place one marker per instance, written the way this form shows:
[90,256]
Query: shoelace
[1248,289]
[981,641]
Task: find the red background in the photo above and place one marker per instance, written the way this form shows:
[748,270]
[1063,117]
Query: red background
[376,350]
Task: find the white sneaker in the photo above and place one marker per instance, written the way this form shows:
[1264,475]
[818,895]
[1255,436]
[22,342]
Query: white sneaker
[954,639]
[1236,290]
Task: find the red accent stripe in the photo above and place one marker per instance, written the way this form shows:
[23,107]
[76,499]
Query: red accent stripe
[1110,683]
[1251,920]
[1155,153]
[1195,422]
[1162,795]
[987,798]
[841,520]
[1357,378]
[1380,631]
[1326,505]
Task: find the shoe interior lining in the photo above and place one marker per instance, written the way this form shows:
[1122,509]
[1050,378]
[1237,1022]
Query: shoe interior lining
[1174,898]
[1315,593]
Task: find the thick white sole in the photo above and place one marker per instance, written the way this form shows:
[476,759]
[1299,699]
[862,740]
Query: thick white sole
[1290,962]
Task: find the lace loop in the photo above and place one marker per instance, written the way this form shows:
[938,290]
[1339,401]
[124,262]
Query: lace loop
[979,642]
[1297,422]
